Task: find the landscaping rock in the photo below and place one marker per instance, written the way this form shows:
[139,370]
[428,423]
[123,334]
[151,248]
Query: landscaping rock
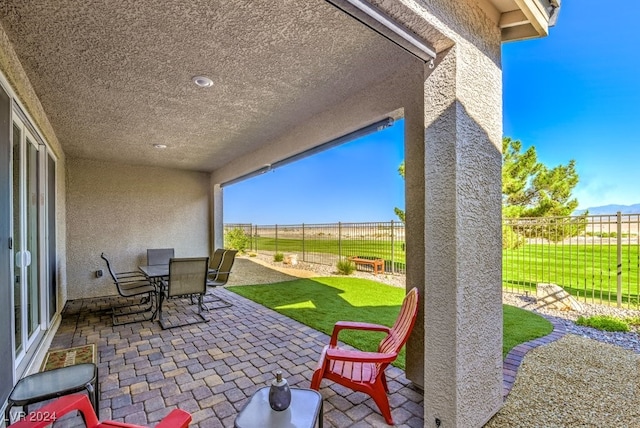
[553,296]
[573,382]
[291,259]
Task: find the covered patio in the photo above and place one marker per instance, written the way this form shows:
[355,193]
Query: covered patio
[122,122]
[211,369]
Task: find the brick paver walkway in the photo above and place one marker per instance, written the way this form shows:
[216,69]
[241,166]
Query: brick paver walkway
[210,369]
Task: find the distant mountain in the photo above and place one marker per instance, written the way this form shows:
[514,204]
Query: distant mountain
[611,209]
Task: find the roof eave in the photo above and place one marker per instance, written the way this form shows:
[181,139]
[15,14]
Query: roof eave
[525,19]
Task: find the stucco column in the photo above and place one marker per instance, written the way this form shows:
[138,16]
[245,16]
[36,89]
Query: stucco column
[217,220]
[462,240]
[414,225]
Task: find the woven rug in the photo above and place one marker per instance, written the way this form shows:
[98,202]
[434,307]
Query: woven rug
[68,357]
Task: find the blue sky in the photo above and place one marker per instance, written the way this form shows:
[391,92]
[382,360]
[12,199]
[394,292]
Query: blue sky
[572,95]
[324,188]
[576,95]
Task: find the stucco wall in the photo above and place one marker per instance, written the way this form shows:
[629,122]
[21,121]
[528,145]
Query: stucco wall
[21,86]
[124,209]
[459,215]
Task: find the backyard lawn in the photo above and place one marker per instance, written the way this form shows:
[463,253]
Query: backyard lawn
[375,248]
[320,302]
[584,271]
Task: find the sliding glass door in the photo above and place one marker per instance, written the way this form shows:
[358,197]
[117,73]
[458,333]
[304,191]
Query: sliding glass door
[27,240]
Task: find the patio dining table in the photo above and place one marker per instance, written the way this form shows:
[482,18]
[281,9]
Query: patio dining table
[155,273]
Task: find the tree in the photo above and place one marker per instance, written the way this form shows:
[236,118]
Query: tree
[398,211]
[531,189]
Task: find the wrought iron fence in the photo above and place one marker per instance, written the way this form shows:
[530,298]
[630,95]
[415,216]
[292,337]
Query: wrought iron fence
[595,258]
[328,243]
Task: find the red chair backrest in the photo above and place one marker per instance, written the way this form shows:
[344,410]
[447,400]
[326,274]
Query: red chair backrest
[402,327]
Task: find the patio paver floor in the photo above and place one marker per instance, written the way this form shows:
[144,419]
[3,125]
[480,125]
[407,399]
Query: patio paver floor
[211,369]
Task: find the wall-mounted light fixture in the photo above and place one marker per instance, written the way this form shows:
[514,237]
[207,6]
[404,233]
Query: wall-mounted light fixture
[378,21]
[553,9]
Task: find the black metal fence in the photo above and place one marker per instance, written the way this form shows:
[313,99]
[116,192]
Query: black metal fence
[328,243]
[595,258]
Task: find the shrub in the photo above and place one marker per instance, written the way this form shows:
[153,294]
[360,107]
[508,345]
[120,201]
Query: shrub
[604,322]
[345,267]
[510,238]
[253,255]
[278,257]
[634,321]
[237,239]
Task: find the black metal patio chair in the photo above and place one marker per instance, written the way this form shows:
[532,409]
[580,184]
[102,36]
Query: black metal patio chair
[216,261]
[187,278]
[218,279]
[159,256]
[132,285]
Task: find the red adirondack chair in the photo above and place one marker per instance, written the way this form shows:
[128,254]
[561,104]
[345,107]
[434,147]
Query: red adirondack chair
[364,371]
[45,416]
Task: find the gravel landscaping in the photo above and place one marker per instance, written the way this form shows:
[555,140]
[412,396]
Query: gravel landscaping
[629,340]
[315,269]
[574,382]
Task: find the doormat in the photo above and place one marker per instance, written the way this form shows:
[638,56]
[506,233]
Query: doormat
[69,357]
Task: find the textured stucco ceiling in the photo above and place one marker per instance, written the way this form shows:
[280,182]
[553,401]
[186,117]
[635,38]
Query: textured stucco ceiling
[115,76]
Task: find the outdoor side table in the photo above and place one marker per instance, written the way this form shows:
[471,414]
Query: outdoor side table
[304,411]
[55,383]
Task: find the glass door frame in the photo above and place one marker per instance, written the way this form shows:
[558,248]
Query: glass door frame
[48,254]
[29,335]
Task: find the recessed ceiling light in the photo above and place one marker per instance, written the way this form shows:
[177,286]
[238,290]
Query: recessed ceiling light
[159,146]
[202,81]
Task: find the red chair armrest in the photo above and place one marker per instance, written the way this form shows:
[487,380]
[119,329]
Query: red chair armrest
[48,414]
[350,325]
[45,416]
[359,356]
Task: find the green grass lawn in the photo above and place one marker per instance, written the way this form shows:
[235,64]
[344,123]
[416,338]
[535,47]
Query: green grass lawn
[320,302]
[521,326]
[583,270]
[347,247]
